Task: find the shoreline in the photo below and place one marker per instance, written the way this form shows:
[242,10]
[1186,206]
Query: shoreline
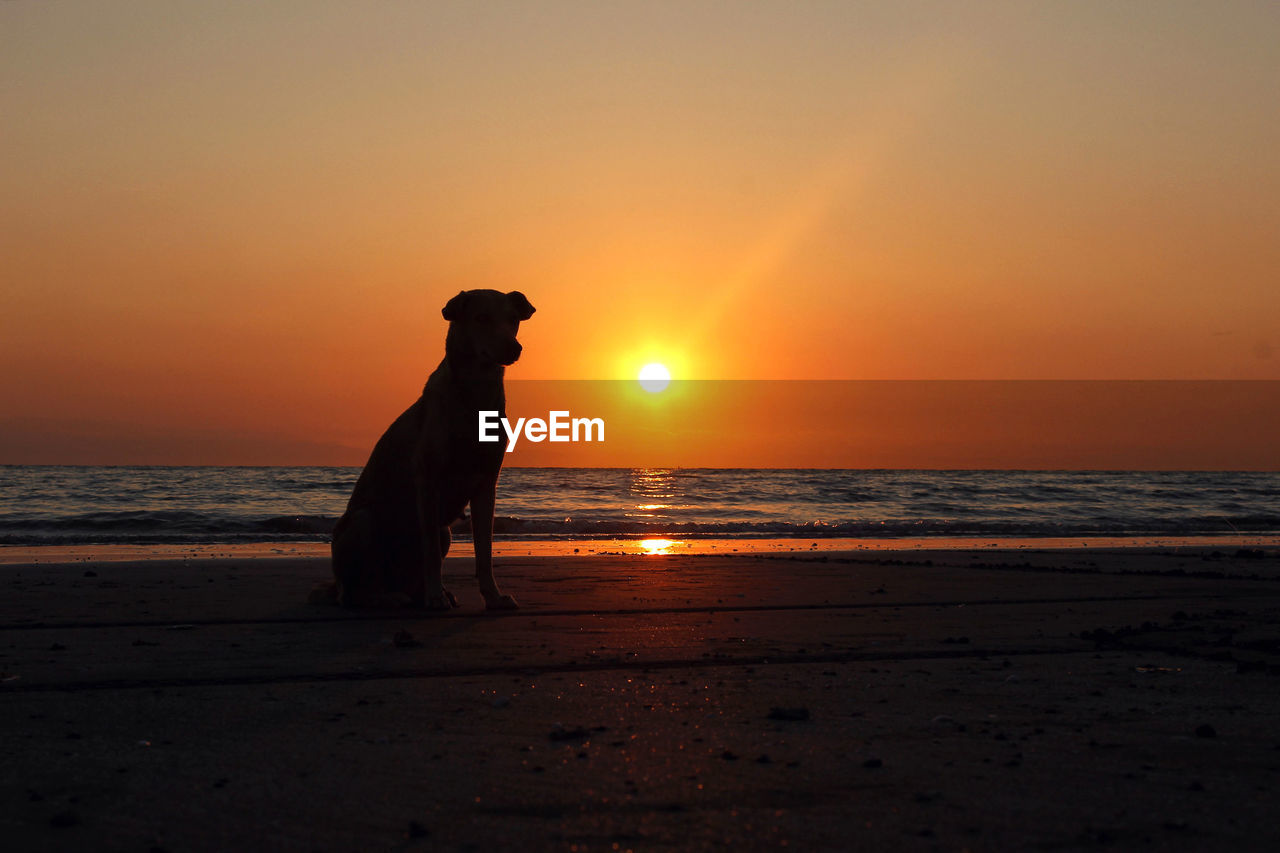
[629,546]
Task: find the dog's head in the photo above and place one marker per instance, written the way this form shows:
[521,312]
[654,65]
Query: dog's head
[483,325]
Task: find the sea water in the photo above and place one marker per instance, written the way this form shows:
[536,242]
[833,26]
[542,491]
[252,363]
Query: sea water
[161,505]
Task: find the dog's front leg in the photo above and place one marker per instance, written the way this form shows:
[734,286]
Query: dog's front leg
[435,597]
[482,503]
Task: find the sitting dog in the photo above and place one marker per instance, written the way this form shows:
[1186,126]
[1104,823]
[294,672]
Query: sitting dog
[389,544]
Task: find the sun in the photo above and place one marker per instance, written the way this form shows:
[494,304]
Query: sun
[654,377]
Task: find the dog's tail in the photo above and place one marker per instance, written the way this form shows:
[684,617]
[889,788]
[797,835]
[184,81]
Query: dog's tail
[324,593]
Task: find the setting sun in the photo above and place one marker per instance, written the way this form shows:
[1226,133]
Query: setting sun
[654,377]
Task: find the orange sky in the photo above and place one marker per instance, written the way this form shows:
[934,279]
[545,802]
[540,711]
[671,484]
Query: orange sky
[227,229]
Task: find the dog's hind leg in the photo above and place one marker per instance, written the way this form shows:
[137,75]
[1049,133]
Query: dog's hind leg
[352,543]
[352,538]
[357,564]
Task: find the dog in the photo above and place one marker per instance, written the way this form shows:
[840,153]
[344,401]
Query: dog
[389,545]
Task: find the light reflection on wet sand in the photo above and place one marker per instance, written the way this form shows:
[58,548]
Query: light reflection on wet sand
[15,554]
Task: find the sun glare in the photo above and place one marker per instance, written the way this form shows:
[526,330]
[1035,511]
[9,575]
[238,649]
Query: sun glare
[654,377]
[657,546]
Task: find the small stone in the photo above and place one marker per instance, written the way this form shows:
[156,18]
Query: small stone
[404,640]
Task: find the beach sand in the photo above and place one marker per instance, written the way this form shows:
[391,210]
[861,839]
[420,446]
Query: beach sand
[917,699]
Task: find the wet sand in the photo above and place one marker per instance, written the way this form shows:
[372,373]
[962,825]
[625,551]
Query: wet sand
[916,699]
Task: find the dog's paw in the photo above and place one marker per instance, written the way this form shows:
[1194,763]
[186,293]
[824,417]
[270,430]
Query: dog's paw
[442,600]
[500,602]
[325,593]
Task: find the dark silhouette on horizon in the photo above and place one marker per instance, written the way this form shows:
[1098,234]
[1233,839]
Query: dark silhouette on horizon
[389,545]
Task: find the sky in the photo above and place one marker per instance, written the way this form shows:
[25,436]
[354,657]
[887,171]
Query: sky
[228,229]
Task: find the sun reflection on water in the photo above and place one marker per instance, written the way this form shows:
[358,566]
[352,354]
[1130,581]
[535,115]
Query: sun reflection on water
[656,492]
[657,546]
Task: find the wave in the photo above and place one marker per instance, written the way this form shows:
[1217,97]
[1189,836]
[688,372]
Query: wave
[160,527]
[40,505]
[173,527]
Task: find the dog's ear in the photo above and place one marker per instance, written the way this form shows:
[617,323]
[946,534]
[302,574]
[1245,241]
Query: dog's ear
[524,310]
[455,307]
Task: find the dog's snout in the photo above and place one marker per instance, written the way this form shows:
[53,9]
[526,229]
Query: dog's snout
[512,353]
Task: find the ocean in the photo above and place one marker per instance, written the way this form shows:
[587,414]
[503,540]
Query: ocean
[157,505]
